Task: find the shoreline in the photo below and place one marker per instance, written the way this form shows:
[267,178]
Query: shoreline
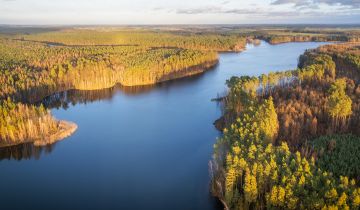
[178,74]
[174,75]
[286,42]
[66,129]
[191,71]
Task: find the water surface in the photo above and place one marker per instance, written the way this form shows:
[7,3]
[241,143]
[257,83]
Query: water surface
[137,148]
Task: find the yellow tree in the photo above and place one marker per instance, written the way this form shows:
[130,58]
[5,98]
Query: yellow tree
[250,187]
[268,120]
[339,104]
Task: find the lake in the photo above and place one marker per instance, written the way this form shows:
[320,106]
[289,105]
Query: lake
[135,148]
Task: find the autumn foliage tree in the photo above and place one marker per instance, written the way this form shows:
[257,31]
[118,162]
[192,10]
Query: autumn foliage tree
[339,104]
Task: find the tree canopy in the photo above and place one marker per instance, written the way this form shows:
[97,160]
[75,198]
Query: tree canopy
[275,152]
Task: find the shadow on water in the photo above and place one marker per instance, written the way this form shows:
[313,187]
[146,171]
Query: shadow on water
[65,99]
[25,152]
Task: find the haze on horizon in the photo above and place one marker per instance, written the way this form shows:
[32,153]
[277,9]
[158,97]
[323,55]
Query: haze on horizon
[67,12]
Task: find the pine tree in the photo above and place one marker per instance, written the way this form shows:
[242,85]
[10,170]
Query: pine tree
[339,104]
[268,120]
[250,187]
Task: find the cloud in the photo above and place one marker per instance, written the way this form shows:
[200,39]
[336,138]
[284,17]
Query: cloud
[312,3]
[302,9]
[200,10]
[352,3]
[248,11]
[157,8]
[296,2]
[215,10]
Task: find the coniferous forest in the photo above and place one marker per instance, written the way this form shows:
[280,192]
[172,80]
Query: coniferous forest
[291,138]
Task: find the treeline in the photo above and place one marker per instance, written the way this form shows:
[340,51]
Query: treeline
[303,35]
[278,39]
[29,70]
[161,65]
[146,38]
[266,157]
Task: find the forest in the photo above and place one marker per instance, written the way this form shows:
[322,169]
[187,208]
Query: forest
[37,64]
[290,139]
[31,69]
[144,38]
[296,34]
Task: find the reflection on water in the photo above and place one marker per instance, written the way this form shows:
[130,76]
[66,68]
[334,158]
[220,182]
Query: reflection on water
[72,97]
[63,100]
[25,152]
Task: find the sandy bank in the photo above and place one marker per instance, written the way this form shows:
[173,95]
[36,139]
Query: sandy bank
[66,129]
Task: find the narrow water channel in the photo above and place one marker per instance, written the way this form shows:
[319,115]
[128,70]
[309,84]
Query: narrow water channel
[139,148]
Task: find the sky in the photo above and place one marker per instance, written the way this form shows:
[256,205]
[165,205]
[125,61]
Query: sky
[129,12]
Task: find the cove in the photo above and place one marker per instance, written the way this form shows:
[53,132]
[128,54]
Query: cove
[135,148]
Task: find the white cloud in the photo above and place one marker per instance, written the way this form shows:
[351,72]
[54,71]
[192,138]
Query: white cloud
[351,3]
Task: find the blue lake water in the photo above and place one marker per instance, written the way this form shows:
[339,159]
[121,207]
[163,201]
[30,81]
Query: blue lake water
[139,148]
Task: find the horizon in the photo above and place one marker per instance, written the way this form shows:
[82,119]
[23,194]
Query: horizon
[185,25]
[160,12]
